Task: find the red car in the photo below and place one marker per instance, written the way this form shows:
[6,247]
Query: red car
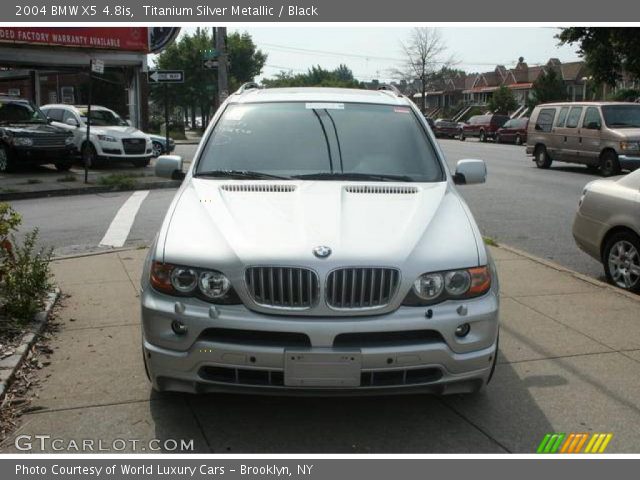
[483,126]
[446,128]
[514,131]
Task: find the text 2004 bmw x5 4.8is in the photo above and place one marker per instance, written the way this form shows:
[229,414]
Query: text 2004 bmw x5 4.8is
[318,245]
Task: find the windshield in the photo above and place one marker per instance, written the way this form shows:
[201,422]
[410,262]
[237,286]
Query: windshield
[103,118]
[358,141]
[621,116]
[20,112]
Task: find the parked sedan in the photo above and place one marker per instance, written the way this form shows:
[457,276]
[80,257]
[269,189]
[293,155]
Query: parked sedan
[446,128]
[607,227]
[159,143]
[514,131]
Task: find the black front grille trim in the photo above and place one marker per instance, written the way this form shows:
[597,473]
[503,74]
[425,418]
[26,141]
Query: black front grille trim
[387,339]
[242,376]
[256,338]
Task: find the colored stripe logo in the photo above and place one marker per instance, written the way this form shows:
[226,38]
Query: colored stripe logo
[574,443]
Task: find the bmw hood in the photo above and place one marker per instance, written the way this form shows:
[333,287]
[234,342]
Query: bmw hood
[228,225]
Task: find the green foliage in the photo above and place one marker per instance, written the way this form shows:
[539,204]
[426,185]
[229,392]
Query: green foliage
[315,77]
[548,87]
[503,101]
[200,85]
[9,222]
[625,95]
[118,180]
[27,278]
[608,51]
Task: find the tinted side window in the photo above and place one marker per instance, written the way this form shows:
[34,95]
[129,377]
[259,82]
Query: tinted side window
[545,119]
[67,115]
[592,117]
[574,117]
[54,114]
[562,116]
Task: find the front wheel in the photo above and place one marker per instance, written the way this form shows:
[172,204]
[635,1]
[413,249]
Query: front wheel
[157,149]
[543,160]
[621,258]
[6,164]
[609,165]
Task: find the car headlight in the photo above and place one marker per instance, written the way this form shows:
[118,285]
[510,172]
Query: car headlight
[436,287]
[107,138]
[208,285]
[22,141]
[630,146]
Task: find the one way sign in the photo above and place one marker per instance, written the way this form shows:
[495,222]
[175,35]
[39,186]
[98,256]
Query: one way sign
[166,76]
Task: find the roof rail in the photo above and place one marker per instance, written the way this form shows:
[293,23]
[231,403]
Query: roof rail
[247,86]
[390,88]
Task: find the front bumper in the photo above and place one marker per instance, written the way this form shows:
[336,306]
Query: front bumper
[115,151]
[44,154]
[629,162]
[231,348]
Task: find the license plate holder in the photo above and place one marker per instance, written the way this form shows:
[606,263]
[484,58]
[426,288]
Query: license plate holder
[322,369]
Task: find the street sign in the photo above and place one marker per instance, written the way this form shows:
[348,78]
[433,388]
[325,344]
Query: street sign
[166,76]
[97,66]
[210,64]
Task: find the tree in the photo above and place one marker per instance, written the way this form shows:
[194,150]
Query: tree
[316,76]
[423,57]
[548,87]
[200,85]
[503,101]
[608,51]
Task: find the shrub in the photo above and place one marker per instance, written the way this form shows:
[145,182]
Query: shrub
[9,222]
[27,278]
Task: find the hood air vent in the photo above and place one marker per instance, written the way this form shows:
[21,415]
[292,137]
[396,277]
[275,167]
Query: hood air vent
[381,189]
[258,187]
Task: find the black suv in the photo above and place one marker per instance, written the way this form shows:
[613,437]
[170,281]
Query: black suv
[27,137]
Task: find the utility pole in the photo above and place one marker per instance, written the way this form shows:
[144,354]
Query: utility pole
[223,74]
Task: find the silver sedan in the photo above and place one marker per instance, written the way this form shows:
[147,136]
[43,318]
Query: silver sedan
[607,227]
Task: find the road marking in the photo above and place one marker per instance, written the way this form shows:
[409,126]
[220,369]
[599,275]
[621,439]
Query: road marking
[121,224]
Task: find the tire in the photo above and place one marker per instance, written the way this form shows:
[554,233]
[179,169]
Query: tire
[542,158]
[483,136]
[621,260]
[6,164]
[518,139]
[141,163]
[63,166]
[609,164]
[158,149]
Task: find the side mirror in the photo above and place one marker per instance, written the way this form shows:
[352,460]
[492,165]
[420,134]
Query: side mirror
[71,121]
[169,166]
[469,172]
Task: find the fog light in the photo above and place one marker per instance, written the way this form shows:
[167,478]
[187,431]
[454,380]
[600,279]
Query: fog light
[463,330]
[178,327]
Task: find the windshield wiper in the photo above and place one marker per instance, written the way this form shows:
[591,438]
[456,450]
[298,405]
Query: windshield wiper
[248,174]
[378,177]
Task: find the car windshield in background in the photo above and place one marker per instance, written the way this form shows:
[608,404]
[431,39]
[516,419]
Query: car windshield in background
[103,118]
[322,141]
[20,112]
[621,116]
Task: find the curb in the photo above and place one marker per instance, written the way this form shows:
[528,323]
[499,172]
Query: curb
[579,276]
[85,191]
[14,362]
[93,254]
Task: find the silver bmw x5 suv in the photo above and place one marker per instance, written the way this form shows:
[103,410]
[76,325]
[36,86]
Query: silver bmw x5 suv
[318,244]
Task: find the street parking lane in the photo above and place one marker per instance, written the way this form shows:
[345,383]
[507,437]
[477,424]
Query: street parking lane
[523,206]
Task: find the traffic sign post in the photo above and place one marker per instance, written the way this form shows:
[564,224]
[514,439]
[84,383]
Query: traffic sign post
[166,77]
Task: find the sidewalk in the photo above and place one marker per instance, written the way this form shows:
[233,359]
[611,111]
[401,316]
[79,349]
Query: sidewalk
[570,355]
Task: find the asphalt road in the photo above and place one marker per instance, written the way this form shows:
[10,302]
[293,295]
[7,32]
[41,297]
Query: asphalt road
[520,205]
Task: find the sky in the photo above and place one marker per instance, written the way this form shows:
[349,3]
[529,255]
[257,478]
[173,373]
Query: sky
[373,52]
